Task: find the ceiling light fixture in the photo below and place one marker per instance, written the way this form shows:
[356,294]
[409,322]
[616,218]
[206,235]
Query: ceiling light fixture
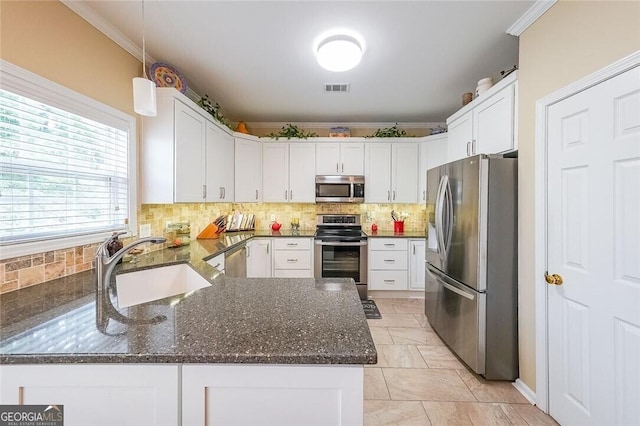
[144,90]
[339,52]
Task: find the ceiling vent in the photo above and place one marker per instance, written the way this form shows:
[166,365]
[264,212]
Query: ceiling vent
[336,88]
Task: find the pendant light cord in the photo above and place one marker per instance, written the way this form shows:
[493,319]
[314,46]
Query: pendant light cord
[144,51]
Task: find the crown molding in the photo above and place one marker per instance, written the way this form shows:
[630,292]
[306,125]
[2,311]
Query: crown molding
[530,16]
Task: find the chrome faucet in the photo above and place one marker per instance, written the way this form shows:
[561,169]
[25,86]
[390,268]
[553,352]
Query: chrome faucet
[105,265]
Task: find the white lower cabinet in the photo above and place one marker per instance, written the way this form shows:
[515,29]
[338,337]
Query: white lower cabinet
[293,257]
[259,258]
[388,264]
[105,394]
[416,264]
[211,394]
[272,395]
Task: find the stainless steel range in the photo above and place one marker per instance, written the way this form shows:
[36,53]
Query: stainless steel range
[341,250]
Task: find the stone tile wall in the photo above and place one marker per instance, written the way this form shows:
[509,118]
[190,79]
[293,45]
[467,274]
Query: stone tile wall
[38,268]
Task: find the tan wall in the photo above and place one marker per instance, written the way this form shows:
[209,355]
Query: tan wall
[570,41]
[49,39]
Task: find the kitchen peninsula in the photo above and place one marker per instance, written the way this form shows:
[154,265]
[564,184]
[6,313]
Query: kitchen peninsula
[259,351]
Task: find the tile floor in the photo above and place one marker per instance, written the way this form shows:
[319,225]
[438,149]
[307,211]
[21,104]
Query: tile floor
[418,381]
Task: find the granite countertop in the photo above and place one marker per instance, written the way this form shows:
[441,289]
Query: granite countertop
[391,234]
[235,320]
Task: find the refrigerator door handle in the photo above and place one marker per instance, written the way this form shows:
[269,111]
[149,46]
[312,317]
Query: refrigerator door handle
[439,218]
[447,282]
[457,291]
[448,198]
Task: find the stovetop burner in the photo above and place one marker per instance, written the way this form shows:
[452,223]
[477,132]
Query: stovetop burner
[332,227]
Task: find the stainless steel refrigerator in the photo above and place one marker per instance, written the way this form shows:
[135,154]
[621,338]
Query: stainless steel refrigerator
[471,275]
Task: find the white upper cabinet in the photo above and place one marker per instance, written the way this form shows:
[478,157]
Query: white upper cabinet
[302,173]
[404,172]
[488,124]
[339,158]
[433,153]
[248,170]
[391,172]
[178,153]
[220,167]
[275,172]
[377,188]
[190,150]
[288,172]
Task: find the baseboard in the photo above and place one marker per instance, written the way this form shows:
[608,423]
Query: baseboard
[525,391]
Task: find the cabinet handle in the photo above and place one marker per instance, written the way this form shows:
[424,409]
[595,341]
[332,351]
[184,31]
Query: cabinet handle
[389,281]
[414,249]
[21,395]
[221,196]
[248,251]
[337,165]
[388,195]
[291,195]
[292,244]
[342,167]
[394,195]
[224,192]
[292,260]
[256,194]
[424,195]
[204,191]
[217,265]
[473,147]
[285,194]
[268,247]
[390,260]
[389,244]
[468,149]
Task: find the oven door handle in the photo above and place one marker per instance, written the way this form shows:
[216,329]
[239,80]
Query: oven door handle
[323,243]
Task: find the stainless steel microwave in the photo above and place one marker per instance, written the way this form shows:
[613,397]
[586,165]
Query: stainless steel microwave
[339,189]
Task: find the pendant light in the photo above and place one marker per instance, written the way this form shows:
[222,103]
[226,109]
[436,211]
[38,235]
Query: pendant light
[144,90]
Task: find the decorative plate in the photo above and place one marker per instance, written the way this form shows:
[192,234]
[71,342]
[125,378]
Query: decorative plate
[164,75]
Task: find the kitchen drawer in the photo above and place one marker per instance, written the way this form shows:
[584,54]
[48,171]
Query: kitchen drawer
[292,243]
[292,259]
[293,273]
[388,244]
[388,280]
[388,260]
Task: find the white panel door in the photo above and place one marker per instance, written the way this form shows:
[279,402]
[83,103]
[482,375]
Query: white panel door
[190,154]
[275,172]
[594,245]
[259,258]
[433,152]
[302,172]
[404,172]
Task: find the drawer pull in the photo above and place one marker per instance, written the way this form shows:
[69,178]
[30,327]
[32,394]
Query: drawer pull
[217,265]
[292,260]
[292,244]
[390,260]
[389,244]
[389,281]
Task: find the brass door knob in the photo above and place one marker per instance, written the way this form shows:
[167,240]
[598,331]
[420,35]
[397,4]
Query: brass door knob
[553,279]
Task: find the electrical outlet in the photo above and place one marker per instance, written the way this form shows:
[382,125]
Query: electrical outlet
[145,231]
[273,218]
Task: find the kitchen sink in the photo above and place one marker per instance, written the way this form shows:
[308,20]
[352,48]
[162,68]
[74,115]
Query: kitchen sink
[148,285]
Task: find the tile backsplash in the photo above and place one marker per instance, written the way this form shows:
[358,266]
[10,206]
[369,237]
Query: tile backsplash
[38,268]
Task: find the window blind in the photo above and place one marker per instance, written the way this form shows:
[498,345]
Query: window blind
[61,174]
